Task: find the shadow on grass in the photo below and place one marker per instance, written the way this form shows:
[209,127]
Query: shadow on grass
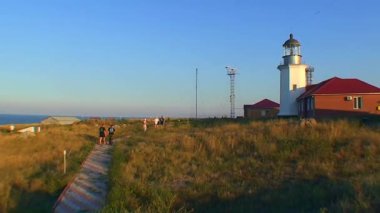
[291,196]
[36,201]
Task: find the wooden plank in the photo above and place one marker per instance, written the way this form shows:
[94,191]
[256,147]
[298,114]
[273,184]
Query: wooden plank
[88,190]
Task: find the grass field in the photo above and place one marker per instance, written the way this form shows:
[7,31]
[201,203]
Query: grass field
[262,166]
[203,166]
[31,167]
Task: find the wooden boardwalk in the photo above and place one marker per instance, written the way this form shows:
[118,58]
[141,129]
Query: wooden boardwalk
[87,191]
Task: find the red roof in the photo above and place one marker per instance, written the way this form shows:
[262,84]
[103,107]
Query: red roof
[263,104]
[337,85]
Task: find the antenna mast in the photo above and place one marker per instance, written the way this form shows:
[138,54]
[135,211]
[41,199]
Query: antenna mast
[309,75]
[196,93]
[232,72]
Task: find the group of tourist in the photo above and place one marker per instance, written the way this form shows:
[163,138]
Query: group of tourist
[157,122]
[103,133]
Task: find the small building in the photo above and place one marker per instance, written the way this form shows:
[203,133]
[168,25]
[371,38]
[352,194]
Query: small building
[32,129]
[60,120]
[262,109]
[337,97]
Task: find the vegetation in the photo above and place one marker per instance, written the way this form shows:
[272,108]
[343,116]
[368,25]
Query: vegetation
[257,166]
[211,165]
[31,166]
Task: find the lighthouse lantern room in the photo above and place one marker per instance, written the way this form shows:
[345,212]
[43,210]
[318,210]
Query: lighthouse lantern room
[293,78]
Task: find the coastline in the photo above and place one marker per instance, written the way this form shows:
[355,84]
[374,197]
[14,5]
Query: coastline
[15,119]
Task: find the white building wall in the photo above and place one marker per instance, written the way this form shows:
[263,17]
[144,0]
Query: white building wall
[291,74]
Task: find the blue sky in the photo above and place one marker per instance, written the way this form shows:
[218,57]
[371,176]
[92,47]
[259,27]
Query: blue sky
[138,58]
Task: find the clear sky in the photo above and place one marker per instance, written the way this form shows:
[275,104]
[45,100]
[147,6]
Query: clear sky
[138,58]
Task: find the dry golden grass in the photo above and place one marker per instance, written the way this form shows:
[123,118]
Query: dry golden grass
[207,165]
[31,167]
[216,165]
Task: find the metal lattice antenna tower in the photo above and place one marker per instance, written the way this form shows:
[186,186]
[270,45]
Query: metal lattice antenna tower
[309,75]
[232,72]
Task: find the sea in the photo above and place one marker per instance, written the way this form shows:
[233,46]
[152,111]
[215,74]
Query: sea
[21,119]
[6,119]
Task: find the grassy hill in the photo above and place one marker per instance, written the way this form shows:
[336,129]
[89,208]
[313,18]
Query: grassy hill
[31,167]
[258,166]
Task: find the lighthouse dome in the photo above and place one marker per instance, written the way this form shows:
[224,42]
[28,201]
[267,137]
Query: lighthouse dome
[291,42]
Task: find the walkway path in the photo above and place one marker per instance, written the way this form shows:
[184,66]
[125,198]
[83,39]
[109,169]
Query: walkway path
[87,192]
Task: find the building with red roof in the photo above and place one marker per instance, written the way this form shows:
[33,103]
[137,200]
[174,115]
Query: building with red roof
[334,97]
[338,97]
[262,109]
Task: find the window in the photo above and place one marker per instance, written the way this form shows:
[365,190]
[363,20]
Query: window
[358,102]
[300,106]
[294,87]
[263,113]
[310,104]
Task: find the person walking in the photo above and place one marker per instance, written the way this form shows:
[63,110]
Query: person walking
[162,121]
[145,125]
[102,134]
[111,131]
[156,120]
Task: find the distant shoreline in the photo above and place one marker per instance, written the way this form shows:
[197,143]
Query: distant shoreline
[8,119]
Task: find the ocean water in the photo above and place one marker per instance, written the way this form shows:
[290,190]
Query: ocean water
[28,119]
[21,119]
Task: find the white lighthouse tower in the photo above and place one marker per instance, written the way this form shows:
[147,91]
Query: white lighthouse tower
[293,78]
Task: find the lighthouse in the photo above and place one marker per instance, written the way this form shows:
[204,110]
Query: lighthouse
[293,77]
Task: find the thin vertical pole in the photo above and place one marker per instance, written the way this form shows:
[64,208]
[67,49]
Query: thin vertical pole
[64,161]
[196,93]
